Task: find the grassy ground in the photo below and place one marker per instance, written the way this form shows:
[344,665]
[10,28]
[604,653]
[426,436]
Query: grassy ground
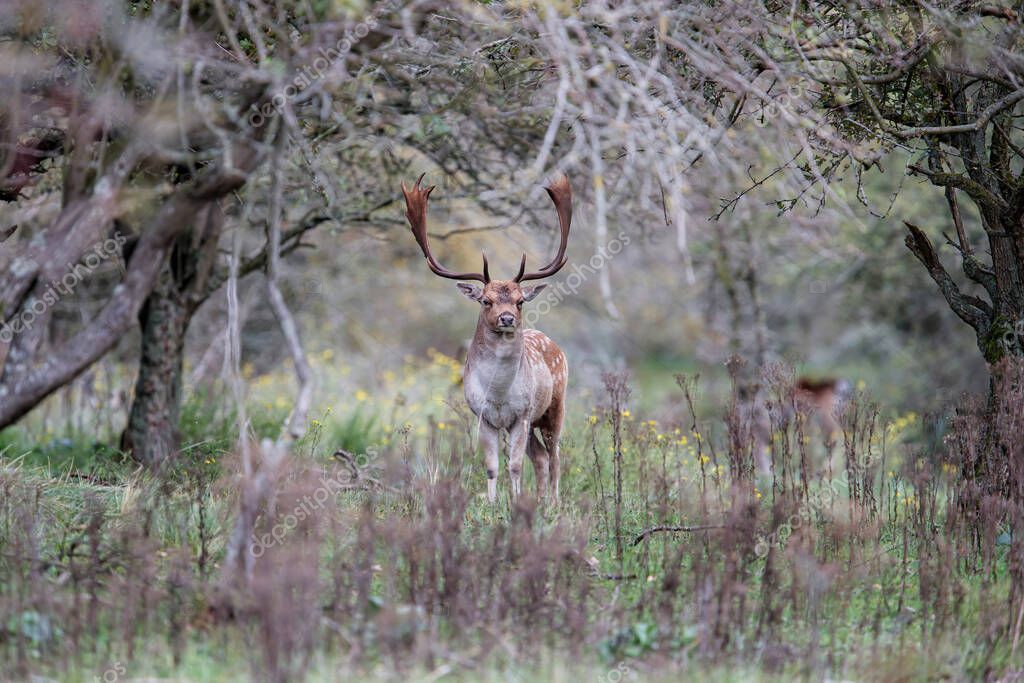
[858,567]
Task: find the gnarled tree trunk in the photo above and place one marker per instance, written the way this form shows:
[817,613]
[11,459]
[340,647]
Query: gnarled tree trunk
[186,281]
[152,433]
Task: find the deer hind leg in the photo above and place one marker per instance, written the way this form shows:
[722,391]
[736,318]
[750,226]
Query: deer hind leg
[539,457]
[551,429]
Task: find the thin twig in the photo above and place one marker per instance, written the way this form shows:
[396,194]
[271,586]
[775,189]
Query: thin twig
[296,425]
[958,221]
[1016,628]
[655,529]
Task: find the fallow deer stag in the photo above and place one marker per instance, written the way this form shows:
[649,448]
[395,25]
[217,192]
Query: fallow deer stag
[515,378]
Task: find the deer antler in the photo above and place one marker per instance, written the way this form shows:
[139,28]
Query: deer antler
[561,195]
[416,212]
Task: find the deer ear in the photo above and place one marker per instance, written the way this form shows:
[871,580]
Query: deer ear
[474,292]
[530,293]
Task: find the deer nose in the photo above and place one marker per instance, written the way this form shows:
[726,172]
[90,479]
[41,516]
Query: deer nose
[506,320]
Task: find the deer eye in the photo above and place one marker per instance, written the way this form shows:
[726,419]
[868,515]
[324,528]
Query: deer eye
[519,304]
[486,303]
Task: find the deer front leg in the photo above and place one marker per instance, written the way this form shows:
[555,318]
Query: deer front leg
[490,443]
[518,438]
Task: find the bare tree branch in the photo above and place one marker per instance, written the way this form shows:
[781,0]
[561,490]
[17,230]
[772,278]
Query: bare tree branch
[296,425]
[983,119]
[970,309]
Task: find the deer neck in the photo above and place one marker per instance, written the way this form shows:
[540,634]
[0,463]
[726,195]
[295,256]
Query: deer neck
[497,355]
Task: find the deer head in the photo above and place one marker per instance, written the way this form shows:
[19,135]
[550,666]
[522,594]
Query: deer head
[501,300]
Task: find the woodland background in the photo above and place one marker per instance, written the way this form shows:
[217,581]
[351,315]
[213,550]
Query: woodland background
[762,192]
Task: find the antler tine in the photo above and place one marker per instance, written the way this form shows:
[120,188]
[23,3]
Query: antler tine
[561,195]
[487,275]
[416,211]
[522,269]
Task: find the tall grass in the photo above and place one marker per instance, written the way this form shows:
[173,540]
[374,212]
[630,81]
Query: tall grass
[869,557]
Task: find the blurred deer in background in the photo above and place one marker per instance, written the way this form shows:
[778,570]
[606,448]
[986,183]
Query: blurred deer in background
[820,400]
[515,378]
